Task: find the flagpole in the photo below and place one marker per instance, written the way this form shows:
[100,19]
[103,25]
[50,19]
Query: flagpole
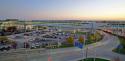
[95,50]
[82,48]
[95,41]
[49,52]
[84,44]
[25,39]
[91,30]
[82,54]
[118,35]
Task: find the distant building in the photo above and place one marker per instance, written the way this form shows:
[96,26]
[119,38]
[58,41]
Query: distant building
[16,23]
[115,27]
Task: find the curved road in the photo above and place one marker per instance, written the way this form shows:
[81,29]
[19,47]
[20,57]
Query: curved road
[100,49]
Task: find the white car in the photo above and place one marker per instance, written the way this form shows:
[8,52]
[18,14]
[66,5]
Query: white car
[35,45]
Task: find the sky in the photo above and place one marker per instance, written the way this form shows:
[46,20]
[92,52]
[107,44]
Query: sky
[63,9]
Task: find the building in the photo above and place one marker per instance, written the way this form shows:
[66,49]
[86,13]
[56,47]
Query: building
[20,25]
[115,27]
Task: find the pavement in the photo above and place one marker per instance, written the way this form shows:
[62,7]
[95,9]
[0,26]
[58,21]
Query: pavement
[102,49]
[20,41]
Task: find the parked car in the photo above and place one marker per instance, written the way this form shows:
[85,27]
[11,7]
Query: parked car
[26,34]
[18,37]
[36,45]
[5,47]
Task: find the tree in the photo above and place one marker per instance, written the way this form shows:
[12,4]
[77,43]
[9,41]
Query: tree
[70,40]
[81,39]
[92,37]
[5,40]
[11,29]
[96,36]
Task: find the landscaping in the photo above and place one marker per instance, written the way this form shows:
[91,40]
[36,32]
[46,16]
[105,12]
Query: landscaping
[80,32]
[92,38]
[94,59]
[121,48]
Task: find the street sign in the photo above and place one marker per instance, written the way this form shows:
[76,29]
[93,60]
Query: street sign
[78,44]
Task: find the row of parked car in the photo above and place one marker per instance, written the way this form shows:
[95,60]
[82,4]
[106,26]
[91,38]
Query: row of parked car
[5,47]
[36,33]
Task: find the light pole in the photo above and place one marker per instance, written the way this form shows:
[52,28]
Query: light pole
[87,34]
[25,41]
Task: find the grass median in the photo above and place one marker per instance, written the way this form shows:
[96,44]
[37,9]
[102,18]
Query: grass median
[121,48]
[94,59]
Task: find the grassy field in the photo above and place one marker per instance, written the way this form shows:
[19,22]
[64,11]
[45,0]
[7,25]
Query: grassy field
[120,50]
[80,32]
[94,38]
[92,59]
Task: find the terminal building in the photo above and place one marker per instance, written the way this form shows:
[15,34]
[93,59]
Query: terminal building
[116,27]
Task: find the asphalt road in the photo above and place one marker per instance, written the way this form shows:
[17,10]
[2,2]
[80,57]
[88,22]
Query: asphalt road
[101,49]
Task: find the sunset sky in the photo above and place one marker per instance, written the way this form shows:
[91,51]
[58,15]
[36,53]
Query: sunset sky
[63,9]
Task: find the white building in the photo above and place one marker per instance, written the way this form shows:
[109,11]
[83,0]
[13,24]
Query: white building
[14,22]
